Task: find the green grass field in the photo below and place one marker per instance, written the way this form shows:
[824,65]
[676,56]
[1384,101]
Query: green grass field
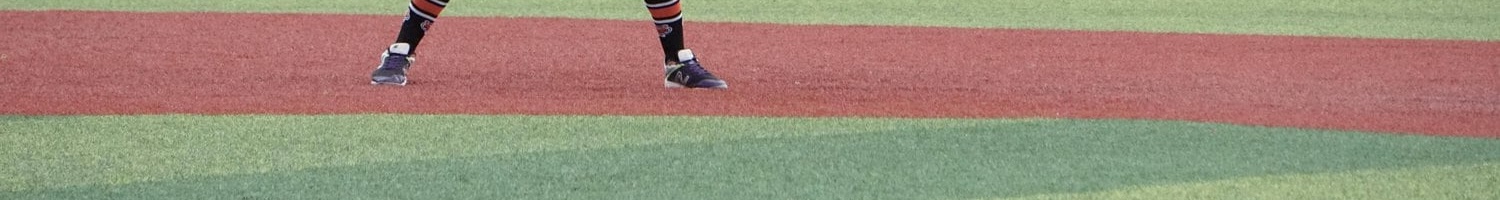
[652,157]
[383,156]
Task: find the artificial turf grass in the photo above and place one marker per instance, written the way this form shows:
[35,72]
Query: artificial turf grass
[443,156]
[1439,19]
[1434,182]
[125,149]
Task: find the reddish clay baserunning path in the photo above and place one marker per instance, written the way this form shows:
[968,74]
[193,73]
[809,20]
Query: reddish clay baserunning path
[68,62]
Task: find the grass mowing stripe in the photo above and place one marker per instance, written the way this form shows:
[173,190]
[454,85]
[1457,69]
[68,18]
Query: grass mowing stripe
[67,151]
[392,156]
[1441,182]
[1436,19]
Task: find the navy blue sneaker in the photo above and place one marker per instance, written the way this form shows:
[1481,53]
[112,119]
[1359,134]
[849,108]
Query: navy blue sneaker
[393,65]
[689,74]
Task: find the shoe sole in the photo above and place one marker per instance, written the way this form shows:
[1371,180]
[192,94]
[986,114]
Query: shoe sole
[376,83]
[675,85]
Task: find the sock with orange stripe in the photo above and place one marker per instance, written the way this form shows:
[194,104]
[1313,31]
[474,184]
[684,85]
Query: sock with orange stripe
[419,17]
[668,16]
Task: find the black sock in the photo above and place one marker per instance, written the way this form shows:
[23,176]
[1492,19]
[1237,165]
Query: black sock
[419,17]
[668,16]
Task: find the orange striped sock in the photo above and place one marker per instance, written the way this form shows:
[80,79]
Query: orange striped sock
[428,9]
[665,11]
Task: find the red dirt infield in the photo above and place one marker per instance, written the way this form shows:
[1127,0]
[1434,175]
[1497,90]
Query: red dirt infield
[89,63]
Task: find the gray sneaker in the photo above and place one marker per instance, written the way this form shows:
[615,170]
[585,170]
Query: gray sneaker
[393,65]
[687,73]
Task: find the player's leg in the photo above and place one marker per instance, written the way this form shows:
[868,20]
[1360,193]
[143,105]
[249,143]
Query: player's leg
[419,17]
[668,17]
[682,67]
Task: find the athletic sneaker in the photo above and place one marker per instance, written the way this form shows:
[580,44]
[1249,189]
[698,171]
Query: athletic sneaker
[687,73]
[393,65]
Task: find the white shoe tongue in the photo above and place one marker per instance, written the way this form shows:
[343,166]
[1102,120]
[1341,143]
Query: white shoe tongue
[684,55]
[400,48]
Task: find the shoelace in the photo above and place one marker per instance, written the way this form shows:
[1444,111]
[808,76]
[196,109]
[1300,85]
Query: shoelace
[696,70]
[394,62]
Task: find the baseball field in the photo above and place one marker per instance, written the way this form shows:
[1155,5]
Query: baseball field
[830,99]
